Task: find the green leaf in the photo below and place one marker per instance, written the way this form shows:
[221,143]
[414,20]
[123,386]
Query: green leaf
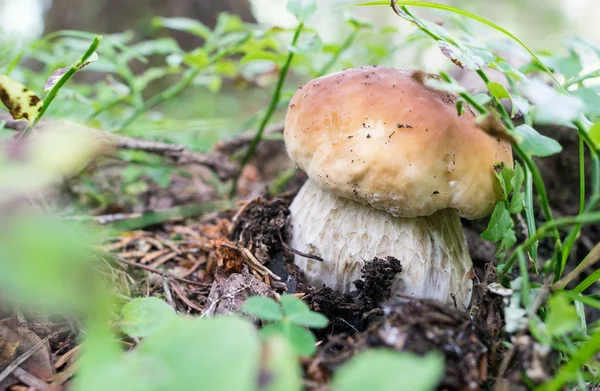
[263,308]
[562,317]
[188,25]
[590,98]
[481,98]
[308,43]
[191,354]
[142,317]
[310,319]
[302,9]
[552,107]
[517,201]
[520,106]
[103,366]
[505,176]
[292,305]
[162,46]
[461,56]
[46,264]
[500,224]
[535,144]
[20,101]
[387,370]
[498,90]
[281,370]
[359,24]
[301,340]
[260,55]
[569,67]
[197,59]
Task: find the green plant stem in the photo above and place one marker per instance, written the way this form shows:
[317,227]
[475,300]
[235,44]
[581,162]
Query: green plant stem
[62,81]
[178,87]
[269,113]
[530,215]
[480,109]
[579,79]
[547,228]
[574,232]
[585,352]
[107,106]
[524,272]
[572,236]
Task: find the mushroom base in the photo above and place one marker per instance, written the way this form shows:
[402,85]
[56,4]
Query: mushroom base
[345,234]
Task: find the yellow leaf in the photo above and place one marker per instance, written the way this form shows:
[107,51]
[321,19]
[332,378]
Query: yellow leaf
[20,101]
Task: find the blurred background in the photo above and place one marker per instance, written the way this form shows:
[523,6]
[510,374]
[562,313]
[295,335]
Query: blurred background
[538,22]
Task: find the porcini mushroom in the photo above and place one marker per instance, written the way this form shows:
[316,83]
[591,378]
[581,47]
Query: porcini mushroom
[392,167]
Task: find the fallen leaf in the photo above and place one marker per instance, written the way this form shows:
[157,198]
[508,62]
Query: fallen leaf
[19,100]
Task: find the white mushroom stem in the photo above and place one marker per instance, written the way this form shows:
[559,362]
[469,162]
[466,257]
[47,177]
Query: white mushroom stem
[345,234]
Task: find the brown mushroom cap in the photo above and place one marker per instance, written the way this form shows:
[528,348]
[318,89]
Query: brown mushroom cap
[380,136]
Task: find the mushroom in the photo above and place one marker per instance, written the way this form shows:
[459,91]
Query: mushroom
[392,167]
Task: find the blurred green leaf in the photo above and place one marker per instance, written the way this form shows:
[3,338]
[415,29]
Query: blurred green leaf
[212,82]
[263,308]
[309,319]
[302,9]
[292,305]
[189,352]
[387,370]
[162,46]
[197,59]
[520,106]
[359,24]
[308,43]
[569,66]
[301,340]
[46,264]
[517,201]
[562,317]
[552,107]
[282,371]
[461,56]
[191,26]
[591,99]
[261,56]
[103,366]
[498,90]
[142,81]
[142,317]
[536,144]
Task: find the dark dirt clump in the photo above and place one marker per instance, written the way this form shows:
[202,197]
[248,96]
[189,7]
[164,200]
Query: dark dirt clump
[350,313]
[418,326]
[259,226]
[469,342]
[377,279]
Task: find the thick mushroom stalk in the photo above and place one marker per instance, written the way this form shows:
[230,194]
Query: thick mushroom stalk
[346,234]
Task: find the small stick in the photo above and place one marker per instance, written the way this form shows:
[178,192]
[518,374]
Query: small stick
[159,272]
[292,250]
